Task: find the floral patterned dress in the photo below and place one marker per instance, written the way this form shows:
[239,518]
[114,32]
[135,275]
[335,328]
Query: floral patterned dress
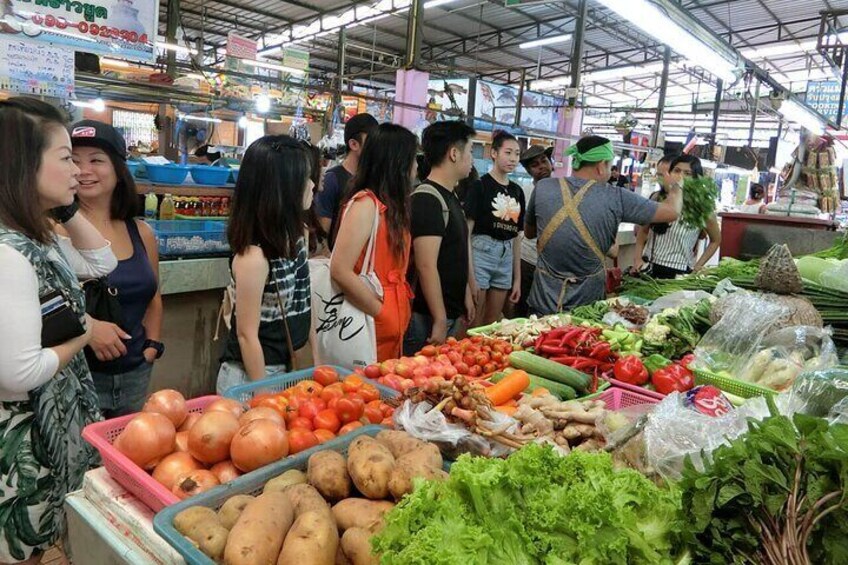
[42,454]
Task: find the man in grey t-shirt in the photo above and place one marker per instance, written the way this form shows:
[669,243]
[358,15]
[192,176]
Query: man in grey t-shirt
[576,220]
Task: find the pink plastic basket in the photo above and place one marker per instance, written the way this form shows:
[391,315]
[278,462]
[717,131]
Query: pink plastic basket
[129,475]
[636,389]
[618,398]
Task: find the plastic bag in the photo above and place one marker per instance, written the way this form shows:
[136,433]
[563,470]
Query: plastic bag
[677,299]
[817,392]
[421,421]
[836,278]
[613,319]
[729,344]
[784,354]
[725,287]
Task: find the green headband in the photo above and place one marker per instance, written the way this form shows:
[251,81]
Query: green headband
[595,155]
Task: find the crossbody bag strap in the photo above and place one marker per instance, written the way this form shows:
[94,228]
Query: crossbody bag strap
[289,344]
[571,204]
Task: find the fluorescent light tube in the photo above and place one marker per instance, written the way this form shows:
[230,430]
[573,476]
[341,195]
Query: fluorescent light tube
[545,41]
[797,113]
[190,118]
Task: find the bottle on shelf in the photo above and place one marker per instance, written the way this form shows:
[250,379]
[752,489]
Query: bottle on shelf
[167,211]
[151,205]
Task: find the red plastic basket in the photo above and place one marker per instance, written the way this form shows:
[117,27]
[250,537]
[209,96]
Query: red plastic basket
[618,398]
[136,480]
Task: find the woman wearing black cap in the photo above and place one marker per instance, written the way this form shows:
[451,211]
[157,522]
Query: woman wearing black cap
[121,357]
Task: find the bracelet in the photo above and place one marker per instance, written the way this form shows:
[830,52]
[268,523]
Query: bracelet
[63,214]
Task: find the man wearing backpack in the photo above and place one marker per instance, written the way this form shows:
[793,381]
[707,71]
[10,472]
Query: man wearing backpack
[440,238]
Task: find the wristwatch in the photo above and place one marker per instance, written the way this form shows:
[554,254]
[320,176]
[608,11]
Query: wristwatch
[63,214]
[157,345]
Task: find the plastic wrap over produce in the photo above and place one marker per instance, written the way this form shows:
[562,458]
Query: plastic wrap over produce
[729,344]
[421,421]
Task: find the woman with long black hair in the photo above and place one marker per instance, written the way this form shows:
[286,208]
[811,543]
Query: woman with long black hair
[381,189]
[269,266]
[672,249]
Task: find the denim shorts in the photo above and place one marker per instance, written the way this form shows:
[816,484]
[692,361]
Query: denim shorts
[419,332]
[232,373]
[123,393]
[492,262]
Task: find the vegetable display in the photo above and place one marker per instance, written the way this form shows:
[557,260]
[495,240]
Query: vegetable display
[581,348]
[676,331]
[776,495]
[534,507]
[523,332]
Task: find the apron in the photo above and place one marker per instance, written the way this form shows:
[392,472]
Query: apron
[555,292]
[60,408]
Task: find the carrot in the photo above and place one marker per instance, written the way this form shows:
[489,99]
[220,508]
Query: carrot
[511,385]
[508,410]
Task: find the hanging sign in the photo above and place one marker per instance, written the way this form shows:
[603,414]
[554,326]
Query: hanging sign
[41,69]
[118,28]
[241,47]
[296,59]
[823,97]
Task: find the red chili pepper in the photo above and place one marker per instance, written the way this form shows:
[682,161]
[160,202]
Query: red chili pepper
[568,337]
[631,370]
[674,378]
[553,350]
[601,351]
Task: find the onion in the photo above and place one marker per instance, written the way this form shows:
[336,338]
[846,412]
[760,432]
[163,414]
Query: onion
[181,442]
[146,439]
[262,413]
[258,443]
[193,483]
[168,402]
[173,466]
[226,405]
[190,420]
[225,471]
[209,439]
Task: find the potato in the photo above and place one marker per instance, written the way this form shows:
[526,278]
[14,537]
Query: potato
[341,558]
[401,443]
[201,525]
[327,472]
[370,464]
[290,477]
[361,513]
[417,463]
[258,535]
[232,509]
[312,540]
[356,544]
[304,498]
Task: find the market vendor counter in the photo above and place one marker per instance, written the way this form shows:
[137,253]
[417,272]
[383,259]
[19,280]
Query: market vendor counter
[626,245]
[748,236]
[191,292]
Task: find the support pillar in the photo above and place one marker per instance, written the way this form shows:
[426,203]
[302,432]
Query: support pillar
[754,113]
[577,50]
[410,89]
[661,102]
[716,110]
[173,22]
[414,32]
[571,125]
[340,68]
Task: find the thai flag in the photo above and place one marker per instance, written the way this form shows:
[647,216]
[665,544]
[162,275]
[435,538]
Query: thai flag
[692,140]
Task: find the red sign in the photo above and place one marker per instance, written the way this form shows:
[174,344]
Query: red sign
[241,47]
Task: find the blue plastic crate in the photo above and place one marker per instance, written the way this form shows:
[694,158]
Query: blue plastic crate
[253,483]
[191,237]
[167,174]
[282,381]
[209,175]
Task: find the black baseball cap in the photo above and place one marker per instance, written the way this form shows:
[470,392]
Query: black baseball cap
[535,151]
[360,123]
[91,133]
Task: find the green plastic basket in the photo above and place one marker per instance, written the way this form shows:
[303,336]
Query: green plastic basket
[733,386]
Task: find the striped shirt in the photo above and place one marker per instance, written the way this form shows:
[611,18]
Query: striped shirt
[674,249]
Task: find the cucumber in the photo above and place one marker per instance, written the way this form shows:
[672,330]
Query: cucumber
[561,391]
[550,370]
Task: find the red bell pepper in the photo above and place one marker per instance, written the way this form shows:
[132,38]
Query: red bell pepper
[631,370]
[674,378]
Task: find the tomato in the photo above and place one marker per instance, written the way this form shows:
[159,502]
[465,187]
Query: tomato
[481,359]
[475,371]
[277,403]
[388,422]
[325,375]
[254,402]
[310,388]
[335,390]
[469,359]
[489,368]
[324,435]
[334,402]
[301,422]
[497,356]
[369,392]
[352,383]
[320,403]
[393,382]
[308,410]
[374,415]
[387,410]
[327,420]
[428,351]
[349,427]
[349,410]
[301,439]
[476,339]
[290,414]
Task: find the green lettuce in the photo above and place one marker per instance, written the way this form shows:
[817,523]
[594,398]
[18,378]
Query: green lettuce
[534,507]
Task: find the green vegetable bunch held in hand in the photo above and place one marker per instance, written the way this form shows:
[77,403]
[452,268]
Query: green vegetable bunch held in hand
[699,201]
[776,495]
[534,507]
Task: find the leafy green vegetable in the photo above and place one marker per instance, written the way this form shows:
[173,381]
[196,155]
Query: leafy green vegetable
[764,495]
[699,201]
[676,331]
[534,507]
